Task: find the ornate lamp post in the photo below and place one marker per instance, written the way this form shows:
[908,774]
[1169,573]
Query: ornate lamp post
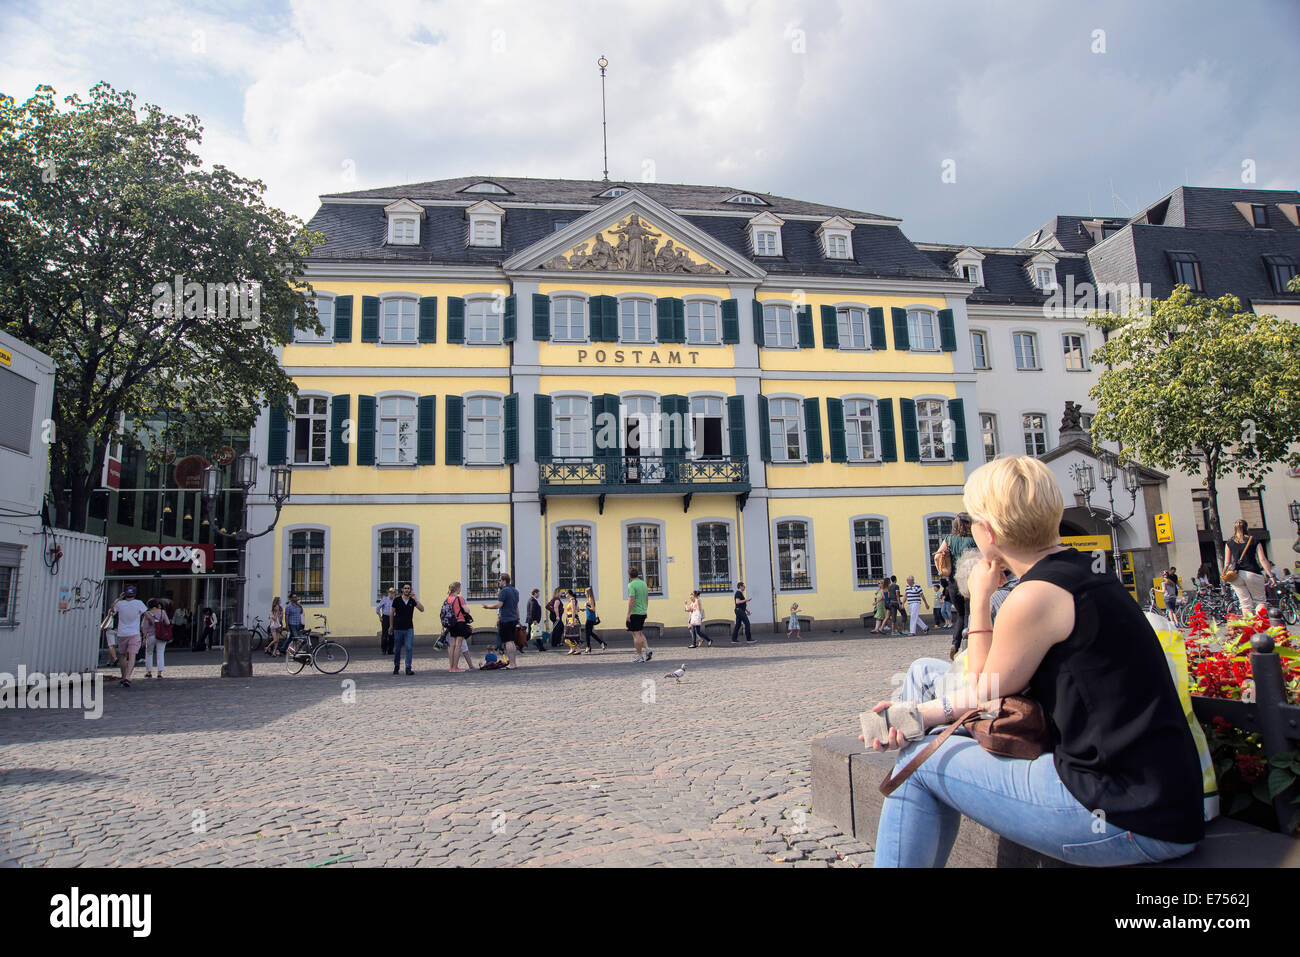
[1085,481]
[238,658]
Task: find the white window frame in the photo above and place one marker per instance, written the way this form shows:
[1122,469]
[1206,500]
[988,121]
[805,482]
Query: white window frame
[485,231]
[11,574]
[844,320]
[584,399]
[399,297]
[697,444]
[403,230]
[375,532]
[973,273]
[286,562]
[397,419]
[1025,432]
[974,353]
[873,582]
[302,337]
[594,557]
[1019,353]
[837,246]
[700,303]
[935,428]
[914,329]
[1083,351]
[484,307]
[487,419]
[811,554]
[993,432]
[803,436]
[583,304]
[651,313]
[661,562]
[767,242]
[747,199]
[730,525]
[323,418]
[776,305]
[492,580]
[870,403]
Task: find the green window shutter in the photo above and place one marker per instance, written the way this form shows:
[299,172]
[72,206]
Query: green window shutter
[510,321]
[512,428]
[947,331]
[369,318]
[454,431]
[595,319]
[342,318]
[455,320]
[340,407]
[876,316]
[957,412]
[911,440]
[805,324]
[736,426]
[609,318]
[764,430]
[830,328]
[542,426]
[428,319]
[676,409]
[600,405]
[365,430]
[679,321]
[812,423]
[758,327]
[835,425]
[664,314]
[426,422]
[277,437]
[730,322]
[885,418]
[541,317]
[901,339]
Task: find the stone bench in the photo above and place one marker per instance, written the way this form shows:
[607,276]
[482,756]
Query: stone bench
[868,619]
[846,793]
[718,629]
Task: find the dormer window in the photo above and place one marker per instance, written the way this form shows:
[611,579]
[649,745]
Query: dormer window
[765,234]
[973,273]
[404,222]
[837,238]
[1259,215]
[485,218]
[1042,271]
[969,265]
[747,199]
[486,187]
[612,192]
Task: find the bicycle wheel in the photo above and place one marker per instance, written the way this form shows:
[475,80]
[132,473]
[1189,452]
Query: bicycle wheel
[295,659]
[330,657]
[256,639]
[1290,609]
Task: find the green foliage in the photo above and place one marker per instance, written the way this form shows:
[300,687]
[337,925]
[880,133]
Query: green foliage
[102,205]
[1201,386]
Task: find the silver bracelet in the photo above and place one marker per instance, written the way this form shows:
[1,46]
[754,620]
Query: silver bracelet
[947,708]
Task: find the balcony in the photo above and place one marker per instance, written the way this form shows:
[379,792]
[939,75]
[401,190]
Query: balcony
[643,475]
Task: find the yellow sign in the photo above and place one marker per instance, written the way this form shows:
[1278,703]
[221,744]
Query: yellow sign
[1164,528]
[6,357]
[1087,543]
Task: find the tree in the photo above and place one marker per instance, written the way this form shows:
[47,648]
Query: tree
[1200,386]
[158,286]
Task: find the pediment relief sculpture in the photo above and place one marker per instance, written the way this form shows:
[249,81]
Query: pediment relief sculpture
[639,248]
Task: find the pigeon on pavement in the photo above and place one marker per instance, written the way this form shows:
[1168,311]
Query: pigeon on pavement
[678,674]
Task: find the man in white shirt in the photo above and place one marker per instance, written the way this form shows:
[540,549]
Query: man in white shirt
[129,610]
[915,595]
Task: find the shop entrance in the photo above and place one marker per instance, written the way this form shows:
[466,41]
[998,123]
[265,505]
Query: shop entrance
[188,595]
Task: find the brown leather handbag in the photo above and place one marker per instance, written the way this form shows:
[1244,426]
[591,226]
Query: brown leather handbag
[1230,573]
[1017,729]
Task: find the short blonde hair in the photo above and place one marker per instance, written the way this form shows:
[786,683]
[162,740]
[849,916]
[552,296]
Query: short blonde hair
[1019,499]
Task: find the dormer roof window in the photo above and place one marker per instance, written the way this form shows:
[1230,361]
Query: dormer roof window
[747,199]
[486,187]
[765,234]
[837,238]
[1042,271]
[485,221]
[404,218]
[612,192]
[969,265]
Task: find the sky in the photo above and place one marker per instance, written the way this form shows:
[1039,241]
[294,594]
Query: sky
[973,122]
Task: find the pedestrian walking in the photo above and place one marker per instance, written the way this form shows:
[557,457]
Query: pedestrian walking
[792,625]
[274,626]
[384,609]
[507,609]
[695,621]
[129,610]
[592,620]
[1244,555]
[208,634]
[939,620]
[950,550]
[1170,588]
[456,620]
[878,611]
[638,605]
[181,626]
[405,606]
[555,611]
[158,628]
[893,606]
[742,616]
[109,627]
[915,596]
[572,623]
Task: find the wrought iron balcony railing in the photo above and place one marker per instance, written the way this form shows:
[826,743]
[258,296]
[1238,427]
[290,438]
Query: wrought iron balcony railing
[643,475]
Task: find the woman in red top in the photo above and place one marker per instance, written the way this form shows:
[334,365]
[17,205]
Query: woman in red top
[459,631]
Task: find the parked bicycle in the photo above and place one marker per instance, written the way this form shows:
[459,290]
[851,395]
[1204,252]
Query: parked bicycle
[258,635]
[1219,602]
[313,647]
[1286,600]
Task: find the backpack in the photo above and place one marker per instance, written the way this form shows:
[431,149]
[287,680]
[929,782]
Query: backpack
[448,614]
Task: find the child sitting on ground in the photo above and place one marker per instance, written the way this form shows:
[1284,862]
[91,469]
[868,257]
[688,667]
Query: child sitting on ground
[792,627]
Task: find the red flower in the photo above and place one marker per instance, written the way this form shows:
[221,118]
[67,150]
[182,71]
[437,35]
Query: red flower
[1251,767]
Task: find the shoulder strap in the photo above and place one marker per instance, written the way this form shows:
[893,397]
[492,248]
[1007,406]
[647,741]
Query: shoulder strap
[893,782]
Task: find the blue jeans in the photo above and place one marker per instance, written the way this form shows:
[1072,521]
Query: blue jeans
[921,680]
[1024,801]
[403,637]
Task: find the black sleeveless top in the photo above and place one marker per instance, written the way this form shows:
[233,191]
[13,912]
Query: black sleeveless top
[1245,558]
[1119,738]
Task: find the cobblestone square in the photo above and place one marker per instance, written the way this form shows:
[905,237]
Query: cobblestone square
[566,761]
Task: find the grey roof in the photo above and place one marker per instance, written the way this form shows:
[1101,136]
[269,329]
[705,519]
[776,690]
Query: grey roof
[357,232]
[1006,276]
[1231,260]
[1203,207]
[1069,231]
[587,191]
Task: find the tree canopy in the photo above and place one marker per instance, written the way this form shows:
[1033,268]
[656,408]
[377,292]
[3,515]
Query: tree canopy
[159,287]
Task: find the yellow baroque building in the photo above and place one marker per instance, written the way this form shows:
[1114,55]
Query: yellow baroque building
[563,379]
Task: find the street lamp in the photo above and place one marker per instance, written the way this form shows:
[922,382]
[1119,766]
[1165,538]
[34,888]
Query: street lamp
[245,477]
[1294,509]
[1086,484]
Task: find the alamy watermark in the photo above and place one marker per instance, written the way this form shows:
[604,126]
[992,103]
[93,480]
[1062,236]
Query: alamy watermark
[229,300]
[41,692]
[1078,300]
